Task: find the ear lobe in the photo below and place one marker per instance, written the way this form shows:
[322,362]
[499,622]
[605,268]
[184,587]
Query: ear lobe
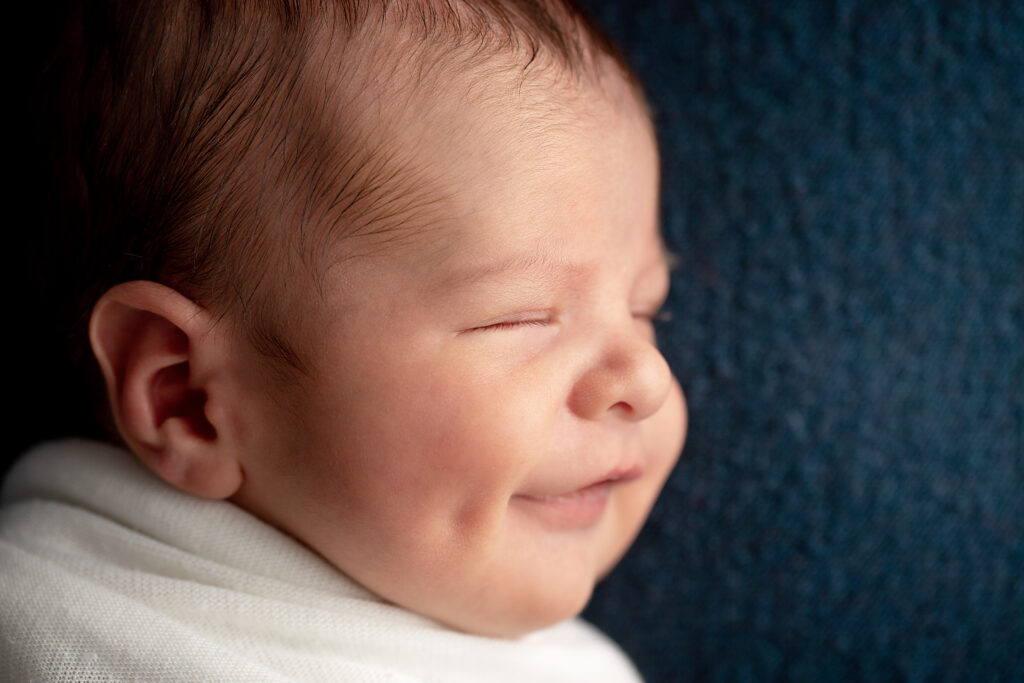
[157,353]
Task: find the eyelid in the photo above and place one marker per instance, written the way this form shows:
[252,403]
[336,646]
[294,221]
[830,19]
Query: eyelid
[524,319]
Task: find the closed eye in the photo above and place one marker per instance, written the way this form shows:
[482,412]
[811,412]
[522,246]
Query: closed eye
[659,316]
[512,324]
[652,322]
[518,321]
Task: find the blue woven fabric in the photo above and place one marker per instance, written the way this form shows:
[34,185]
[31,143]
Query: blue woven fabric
[844,186]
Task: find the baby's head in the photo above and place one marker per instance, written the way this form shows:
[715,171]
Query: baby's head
[408,258]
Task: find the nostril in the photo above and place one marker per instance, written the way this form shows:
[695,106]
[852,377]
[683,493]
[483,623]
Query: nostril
[624,407]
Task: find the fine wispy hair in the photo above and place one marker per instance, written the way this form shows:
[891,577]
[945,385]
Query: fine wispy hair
[218,145]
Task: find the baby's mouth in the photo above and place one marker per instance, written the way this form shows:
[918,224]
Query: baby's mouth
[580,508]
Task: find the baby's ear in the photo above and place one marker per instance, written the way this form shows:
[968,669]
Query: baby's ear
[165,361]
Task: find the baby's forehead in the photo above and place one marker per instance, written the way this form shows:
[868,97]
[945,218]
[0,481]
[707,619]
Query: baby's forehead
[493,202]
[462,161]
[408,152]
[429,155]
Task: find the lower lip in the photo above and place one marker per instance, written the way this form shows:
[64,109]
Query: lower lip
[577,510]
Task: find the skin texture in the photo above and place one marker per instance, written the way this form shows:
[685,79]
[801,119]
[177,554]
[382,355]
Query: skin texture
[486,420]
[474,392]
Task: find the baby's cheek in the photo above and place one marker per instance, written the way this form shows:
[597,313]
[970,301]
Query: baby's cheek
[668,430]
[486,436]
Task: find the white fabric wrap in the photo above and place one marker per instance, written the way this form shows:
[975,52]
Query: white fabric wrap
[108,574]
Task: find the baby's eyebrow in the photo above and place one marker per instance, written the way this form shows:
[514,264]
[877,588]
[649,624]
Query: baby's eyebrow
[543,266]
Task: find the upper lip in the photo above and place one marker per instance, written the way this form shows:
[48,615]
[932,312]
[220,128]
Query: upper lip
[622,475]
[619,475]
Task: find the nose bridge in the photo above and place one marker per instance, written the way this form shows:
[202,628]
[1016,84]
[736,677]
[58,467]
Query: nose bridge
[627,376]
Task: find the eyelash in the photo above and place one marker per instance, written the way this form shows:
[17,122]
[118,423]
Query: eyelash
[659,316]
[510,324]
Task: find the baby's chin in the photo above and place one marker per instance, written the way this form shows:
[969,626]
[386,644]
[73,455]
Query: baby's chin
[523,617]
[508,609]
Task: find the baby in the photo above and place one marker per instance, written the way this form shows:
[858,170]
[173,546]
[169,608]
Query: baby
[373,296]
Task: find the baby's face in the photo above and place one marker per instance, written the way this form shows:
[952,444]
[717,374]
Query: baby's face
[488,420]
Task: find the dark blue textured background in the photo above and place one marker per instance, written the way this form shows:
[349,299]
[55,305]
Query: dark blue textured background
[844,186]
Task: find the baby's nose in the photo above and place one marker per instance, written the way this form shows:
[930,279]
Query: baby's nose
[629,378]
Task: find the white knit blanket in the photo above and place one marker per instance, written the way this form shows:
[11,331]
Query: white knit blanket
[108,574]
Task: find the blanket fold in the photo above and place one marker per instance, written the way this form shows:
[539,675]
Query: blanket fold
[109,574]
